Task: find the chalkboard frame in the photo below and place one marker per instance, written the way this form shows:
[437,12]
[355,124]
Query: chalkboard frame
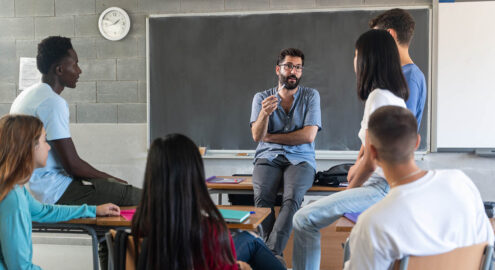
[320,154]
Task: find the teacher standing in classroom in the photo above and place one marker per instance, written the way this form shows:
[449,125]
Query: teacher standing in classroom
[284,121]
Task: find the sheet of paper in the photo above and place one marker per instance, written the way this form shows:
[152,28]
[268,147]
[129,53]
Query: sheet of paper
[28,72]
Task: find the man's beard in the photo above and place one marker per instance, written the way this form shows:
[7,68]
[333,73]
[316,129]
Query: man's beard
[289,85]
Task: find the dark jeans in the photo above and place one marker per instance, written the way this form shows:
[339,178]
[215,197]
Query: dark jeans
[100,191]
[268,177]
[253,251]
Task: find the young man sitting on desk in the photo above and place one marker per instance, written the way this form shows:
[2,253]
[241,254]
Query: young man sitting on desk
[425,212]
[66,178]
[284,120]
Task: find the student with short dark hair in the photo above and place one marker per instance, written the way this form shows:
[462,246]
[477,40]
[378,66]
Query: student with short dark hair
[66,179]
[183,227]
[380,82]
[400,24]
[425,213]
[22,149]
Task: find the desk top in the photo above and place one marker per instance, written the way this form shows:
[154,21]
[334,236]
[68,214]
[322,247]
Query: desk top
[247,184]
[344,224]
[250,223]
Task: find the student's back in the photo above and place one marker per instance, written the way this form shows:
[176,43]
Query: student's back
[417,90]
[184,228]
[437,213]
[50,182]
[425,212]
[400,24]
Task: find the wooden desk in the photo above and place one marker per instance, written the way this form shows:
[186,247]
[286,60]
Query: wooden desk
[344,224]
[250,223]
[91,226]
[246,187]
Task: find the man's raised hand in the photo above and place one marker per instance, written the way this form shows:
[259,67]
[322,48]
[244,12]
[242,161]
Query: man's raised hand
[269,104]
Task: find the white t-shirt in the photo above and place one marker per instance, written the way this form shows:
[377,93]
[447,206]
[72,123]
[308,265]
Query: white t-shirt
[48,183]
[376,99]
[437,213]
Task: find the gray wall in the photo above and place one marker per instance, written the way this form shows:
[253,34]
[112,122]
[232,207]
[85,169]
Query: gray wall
[121,151]
[112,88]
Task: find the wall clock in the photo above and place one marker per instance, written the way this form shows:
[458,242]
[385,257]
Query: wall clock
[114,23]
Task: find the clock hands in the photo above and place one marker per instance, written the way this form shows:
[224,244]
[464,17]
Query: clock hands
[110,23]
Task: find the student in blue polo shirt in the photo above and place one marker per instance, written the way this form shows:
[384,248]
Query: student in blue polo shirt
[284,122]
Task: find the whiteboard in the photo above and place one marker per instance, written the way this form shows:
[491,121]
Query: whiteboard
[466,75]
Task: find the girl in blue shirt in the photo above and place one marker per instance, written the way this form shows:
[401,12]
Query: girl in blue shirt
[23,148]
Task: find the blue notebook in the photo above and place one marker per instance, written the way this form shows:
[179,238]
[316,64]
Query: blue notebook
[352,216]
[234,216]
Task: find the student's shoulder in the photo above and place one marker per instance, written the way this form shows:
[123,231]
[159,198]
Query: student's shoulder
[380,92]
[34,94]
[12,202]
[55,100]
[375,215]
[454,178]
[53,103]
[412,72]
[451,175]
[381,97]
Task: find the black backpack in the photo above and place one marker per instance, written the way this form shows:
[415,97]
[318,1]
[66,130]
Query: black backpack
[333,176]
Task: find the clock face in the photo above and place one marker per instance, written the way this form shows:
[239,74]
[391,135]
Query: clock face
[114,23]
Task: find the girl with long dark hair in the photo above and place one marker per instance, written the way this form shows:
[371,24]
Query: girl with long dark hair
[380,82]
[23,148]
[183,227]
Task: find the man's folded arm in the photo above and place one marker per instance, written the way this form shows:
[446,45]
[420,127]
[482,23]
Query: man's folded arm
[304,135]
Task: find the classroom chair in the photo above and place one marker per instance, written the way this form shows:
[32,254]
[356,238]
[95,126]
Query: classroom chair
[121,253]
[473,257]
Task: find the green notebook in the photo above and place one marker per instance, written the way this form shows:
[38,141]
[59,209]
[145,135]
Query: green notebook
[234,216]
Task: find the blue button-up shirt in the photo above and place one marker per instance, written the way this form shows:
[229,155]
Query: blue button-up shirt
[305,111]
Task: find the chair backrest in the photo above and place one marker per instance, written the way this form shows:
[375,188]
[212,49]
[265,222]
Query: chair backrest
[473,257]
[121,251]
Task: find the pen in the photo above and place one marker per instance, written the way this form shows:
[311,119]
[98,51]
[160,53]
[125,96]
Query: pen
[210,178]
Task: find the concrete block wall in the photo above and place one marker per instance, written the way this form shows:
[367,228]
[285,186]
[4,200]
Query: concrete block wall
[112,87]
[121,150]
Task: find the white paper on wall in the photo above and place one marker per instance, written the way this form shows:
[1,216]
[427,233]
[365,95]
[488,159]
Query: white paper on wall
[28,72]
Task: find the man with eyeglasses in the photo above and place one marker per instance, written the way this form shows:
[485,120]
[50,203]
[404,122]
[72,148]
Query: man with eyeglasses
[284,122]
